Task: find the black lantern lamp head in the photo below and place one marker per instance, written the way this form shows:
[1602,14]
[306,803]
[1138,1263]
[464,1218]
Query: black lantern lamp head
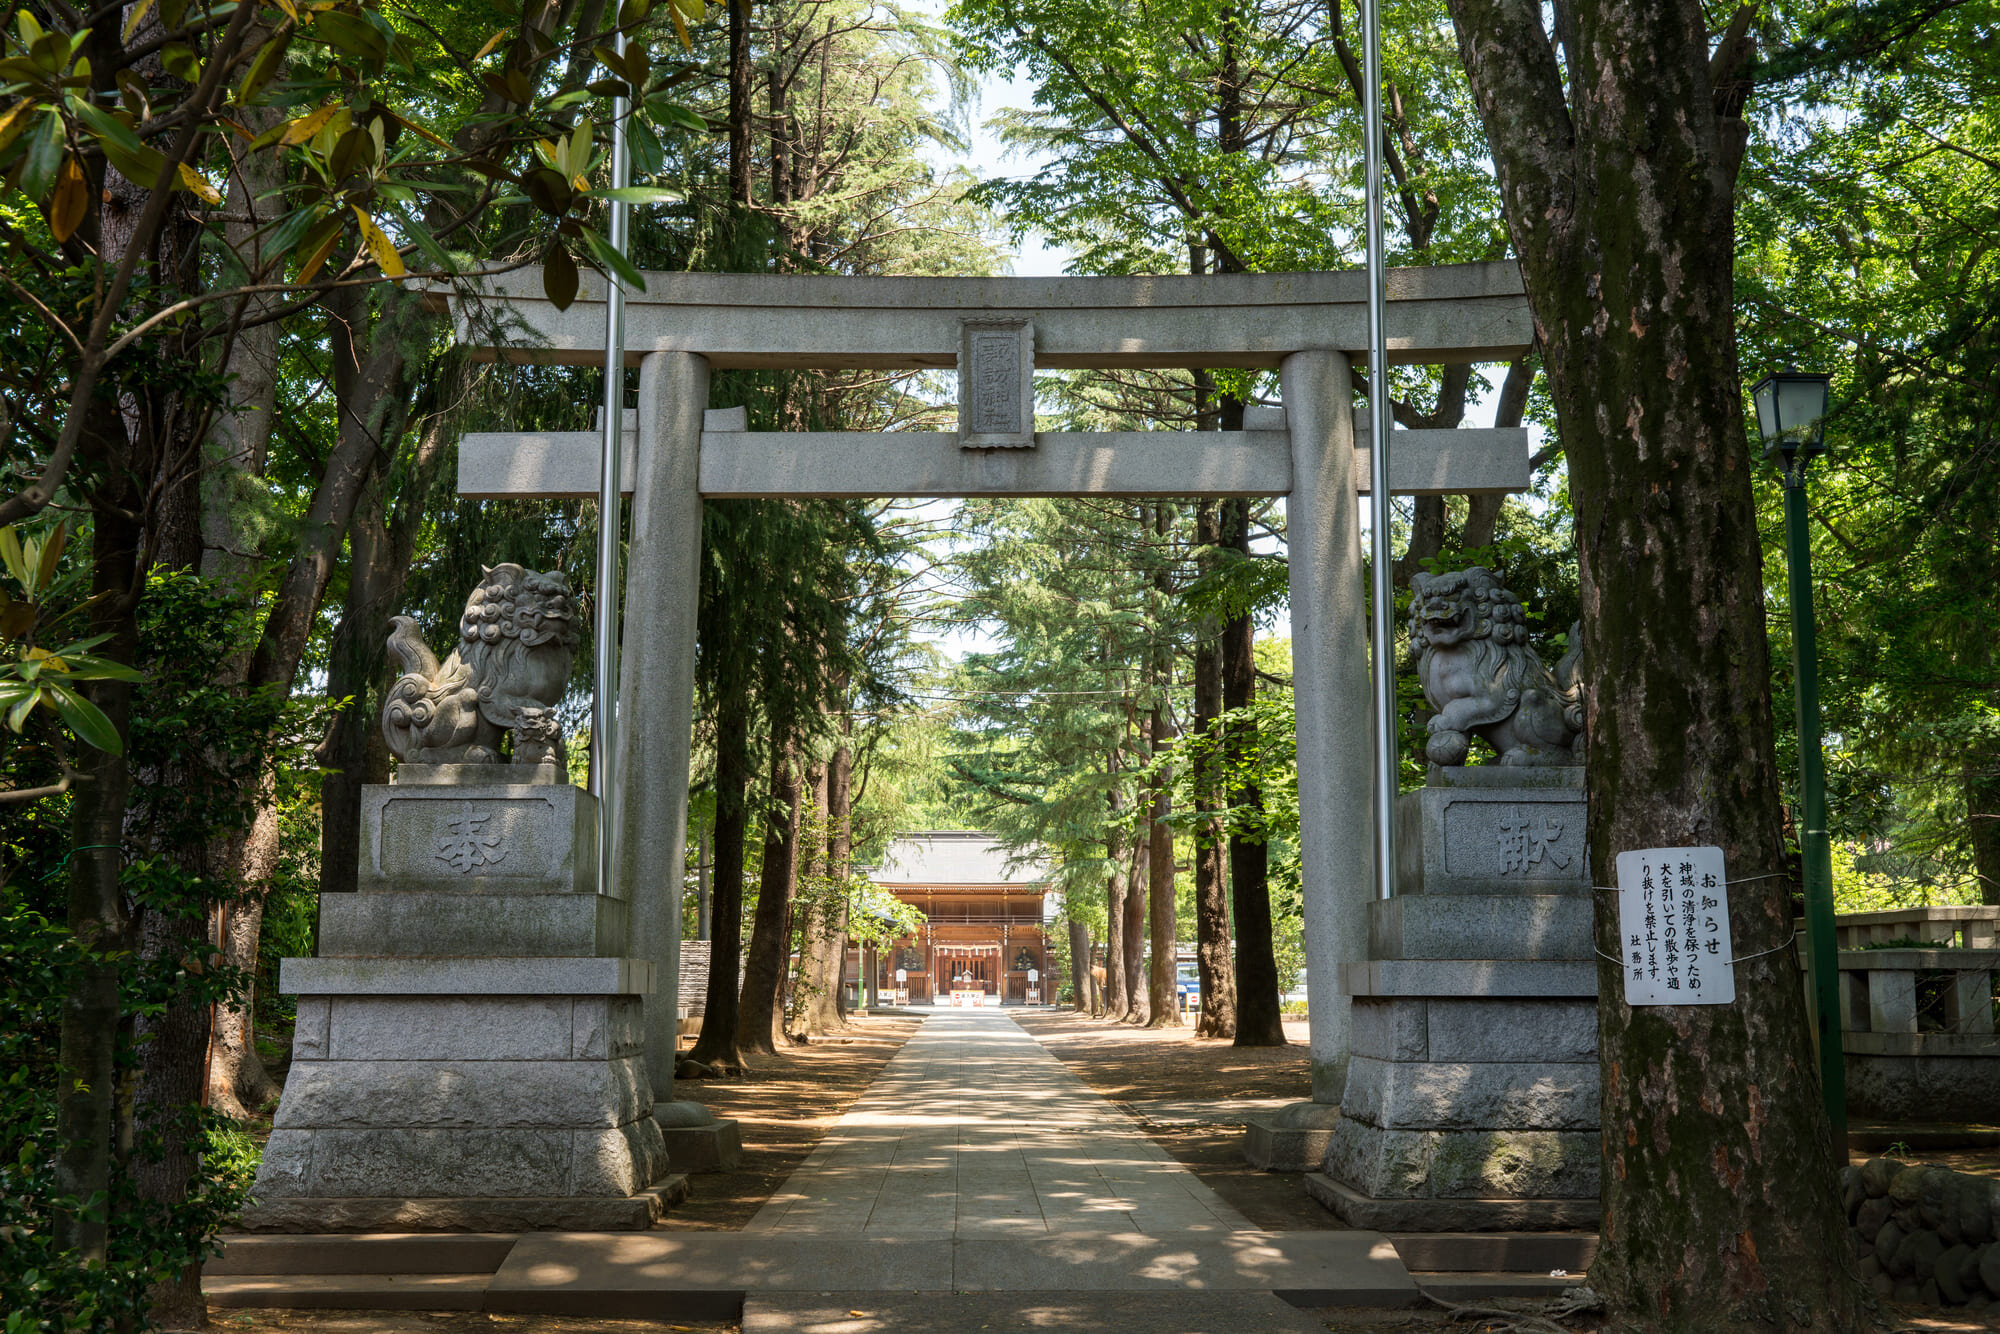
[1791,416]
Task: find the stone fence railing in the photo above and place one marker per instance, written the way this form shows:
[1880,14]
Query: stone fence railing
[1968,928]
[1919,1023]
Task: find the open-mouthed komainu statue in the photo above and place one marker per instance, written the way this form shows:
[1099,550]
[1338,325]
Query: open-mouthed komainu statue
[1470,640]
[507,674]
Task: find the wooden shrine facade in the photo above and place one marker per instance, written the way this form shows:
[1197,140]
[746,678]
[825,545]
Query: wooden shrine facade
[982,942]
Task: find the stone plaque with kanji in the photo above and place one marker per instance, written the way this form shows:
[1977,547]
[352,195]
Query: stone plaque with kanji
[996,384]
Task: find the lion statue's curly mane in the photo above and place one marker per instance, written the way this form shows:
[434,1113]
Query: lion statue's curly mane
[1470,639]
[516,638]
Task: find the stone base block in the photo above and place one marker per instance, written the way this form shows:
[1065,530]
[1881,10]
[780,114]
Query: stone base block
[1451,1029]
[1464,1164]
[1472,1095]
[418,1094]
[423,1162]
[467,1028]
[717,1147]
[632,1213]
[1493,830]
[1480,926]
[496,837]
[468,924]
[1450,1215]
[1292,1139]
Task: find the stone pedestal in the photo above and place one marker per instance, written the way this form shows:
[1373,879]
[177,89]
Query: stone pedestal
[1472,1093]
[470,1050]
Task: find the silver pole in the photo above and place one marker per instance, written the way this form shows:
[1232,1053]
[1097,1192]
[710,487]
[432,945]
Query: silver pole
[610,516]
[1383,624]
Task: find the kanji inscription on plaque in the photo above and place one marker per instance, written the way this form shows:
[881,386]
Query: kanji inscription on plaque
[996,384]
[1673,927]
[466,845]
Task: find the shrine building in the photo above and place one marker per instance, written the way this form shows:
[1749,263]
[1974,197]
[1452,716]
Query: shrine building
[983,942]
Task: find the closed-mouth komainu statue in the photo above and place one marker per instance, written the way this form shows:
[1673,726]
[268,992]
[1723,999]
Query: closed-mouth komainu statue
[1470,640]
[516,639]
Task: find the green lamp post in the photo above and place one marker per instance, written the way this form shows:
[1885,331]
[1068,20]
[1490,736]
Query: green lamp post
[1791,416]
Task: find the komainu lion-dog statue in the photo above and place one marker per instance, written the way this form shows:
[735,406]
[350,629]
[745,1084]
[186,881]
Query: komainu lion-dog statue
[1470,640]
[507,674]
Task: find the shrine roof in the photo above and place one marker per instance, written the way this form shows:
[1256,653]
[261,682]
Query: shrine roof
[950,857]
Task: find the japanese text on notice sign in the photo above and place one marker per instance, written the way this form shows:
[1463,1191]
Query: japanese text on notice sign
[1673,926]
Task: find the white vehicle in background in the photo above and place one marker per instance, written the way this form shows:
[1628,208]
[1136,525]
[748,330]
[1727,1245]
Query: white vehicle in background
[1297,994]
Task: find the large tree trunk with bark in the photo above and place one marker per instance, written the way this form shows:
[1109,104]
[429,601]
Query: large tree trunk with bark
[720,1022]
[763,1011]
[818,1007]
[840,850]
[1617,171]
[1259,1020]
[1982,814]
[1115,892]
[1079,966]
[1137,1006]
[1211,891]
[1162,997]
[88,1038]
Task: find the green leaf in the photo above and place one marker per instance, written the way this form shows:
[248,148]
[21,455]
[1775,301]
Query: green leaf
[17,717]
[98,669]
[549,189]
[269,55]
[85,719]
[638,194]
[351,35]
[16,559]
[559,277]
[44,155]
[289,229]
[608,257]
[648,157]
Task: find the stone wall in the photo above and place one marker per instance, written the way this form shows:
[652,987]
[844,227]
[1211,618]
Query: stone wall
[1925,1234]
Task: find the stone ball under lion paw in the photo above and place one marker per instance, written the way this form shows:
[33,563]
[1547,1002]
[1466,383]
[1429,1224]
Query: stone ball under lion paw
[1448,749]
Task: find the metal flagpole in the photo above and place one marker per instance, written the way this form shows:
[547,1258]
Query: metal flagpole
[1383,622]
[610,515]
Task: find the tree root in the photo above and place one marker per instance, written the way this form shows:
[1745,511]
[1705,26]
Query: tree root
[1517,1322]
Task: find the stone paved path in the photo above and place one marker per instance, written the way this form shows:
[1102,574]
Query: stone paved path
[973,1129]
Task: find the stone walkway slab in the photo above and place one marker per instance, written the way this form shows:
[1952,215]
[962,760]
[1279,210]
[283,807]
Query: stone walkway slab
[1008,1313]
[974,1129]
[661,1275]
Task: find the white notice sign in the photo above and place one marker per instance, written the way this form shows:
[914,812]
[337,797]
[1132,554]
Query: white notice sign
[1673,924]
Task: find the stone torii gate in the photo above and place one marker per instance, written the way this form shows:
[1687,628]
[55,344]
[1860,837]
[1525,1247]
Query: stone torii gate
[1310,327]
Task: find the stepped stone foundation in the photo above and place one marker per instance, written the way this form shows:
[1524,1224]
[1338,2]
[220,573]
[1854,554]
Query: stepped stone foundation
[1471,1096]
[470,1049]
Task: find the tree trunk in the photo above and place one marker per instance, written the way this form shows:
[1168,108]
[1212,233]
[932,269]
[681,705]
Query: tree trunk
[88,1039]
[1079,966]
[1161,972]
[763,1011]
[840,852]
[1721,1211]
[703,881]
[818,1009]
[1137,1005]
[1116,891]
[1259,1020]
[720,1021]
[1211,892]
[1162,997]
[1982,814]
[740,78]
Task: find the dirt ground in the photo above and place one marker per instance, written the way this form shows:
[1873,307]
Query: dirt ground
[1138,1065]
[785,1106]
